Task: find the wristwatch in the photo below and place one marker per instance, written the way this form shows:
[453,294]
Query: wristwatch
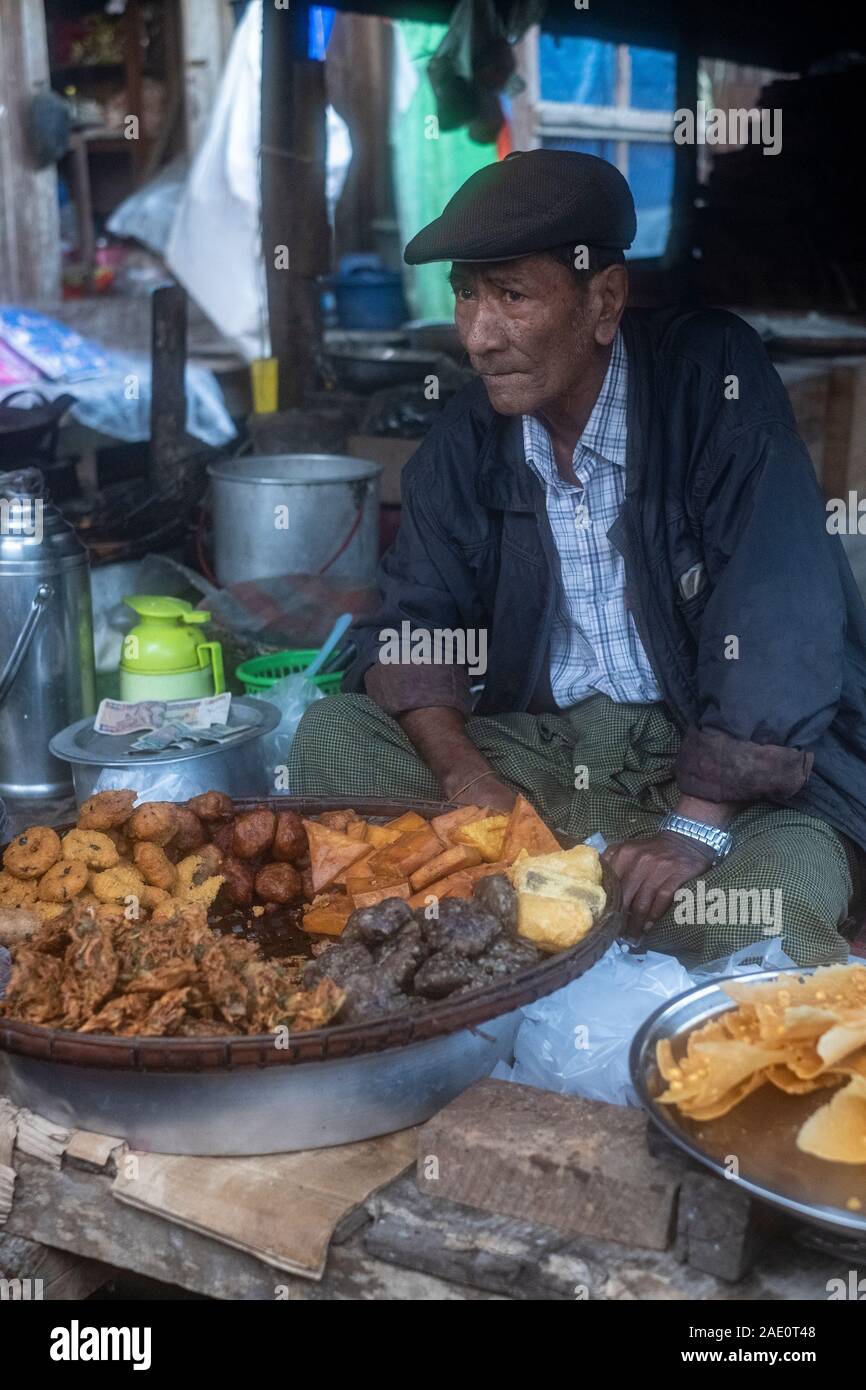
[719,842]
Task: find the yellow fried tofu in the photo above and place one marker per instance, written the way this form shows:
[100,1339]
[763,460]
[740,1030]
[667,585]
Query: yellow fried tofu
[552,924]
[487,836]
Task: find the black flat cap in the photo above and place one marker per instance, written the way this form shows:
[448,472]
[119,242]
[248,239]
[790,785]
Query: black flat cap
[533,200]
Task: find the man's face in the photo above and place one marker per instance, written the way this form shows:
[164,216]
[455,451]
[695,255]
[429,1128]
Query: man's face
[528,328]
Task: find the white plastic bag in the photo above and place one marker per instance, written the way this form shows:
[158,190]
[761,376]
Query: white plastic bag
[577,1041]
[292,695]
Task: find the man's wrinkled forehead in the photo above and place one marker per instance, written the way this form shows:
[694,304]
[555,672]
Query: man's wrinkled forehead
[516,268]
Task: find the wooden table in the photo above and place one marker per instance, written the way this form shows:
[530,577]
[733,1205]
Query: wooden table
[401,1246]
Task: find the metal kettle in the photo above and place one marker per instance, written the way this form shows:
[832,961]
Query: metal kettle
[47,676]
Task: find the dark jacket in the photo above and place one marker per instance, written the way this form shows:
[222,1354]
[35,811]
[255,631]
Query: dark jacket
[724,485]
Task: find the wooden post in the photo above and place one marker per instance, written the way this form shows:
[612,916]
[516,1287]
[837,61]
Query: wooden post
[30,234]
[680,242]
[169,443]
[295,230]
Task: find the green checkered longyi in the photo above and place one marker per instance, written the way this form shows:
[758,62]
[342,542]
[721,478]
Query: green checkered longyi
[624,756]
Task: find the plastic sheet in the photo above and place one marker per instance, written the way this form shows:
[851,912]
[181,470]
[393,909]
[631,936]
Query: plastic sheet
[577,1040]
[292,696]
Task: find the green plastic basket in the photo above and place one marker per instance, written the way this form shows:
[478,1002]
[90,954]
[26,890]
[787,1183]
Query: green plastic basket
[261,672]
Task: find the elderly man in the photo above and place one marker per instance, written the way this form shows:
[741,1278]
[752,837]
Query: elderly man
[620,525]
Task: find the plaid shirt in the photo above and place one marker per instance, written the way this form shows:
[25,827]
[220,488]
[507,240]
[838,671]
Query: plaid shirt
[594,646]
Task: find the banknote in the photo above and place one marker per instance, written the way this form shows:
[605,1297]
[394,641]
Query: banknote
[138,716]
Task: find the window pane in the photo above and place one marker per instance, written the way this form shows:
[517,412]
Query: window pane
[581,70]
[651,177]
[653,79]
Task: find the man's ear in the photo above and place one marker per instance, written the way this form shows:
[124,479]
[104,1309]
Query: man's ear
[609,294]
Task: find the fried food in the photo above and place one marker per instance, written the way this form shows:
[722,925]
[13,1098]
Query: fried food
[17,924]
[279,883]
[107,810]
[63,881]
[154,865]
[32,853]
[155,820]
[194,883]
[238,881]
[559,896]
[799,1033]
[290,841]
[190,834]
[211,806]
[486,836]
[253,834]
[90,970]
[91,847]
[330,852]
[33,992]
[115,884]
[46,912]
[15,892]
[526,830]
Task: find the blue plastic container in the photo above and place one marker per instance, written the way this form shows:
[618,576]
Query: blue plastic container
[368,296]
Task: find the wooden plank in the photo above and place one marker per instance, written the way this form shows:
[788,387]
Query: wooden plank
[169,442]
[32,1272]
[471,1247]
[30,244]
[75,1211]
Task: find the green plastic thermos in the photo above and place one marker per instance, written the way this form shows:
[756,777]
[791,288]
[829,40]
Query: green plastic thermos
[164,658]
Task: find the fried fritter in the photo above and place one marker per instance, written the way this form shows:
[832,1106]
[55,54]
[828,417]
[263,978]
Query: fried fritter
[46,912]
[154,865]
[173,974]
[151,897]
[191,887]
[33,992]
[211,806]
[32,853]
[290,838]
[117,1015]
[91,967]
[91,847]
[114,885]
[63,881]
[15,892]
[163,1018]
[279,883]
[154,820]
[253,834]
[107,810]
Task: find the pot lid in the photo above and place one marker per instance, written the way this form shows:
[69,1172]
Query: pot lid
[80,743]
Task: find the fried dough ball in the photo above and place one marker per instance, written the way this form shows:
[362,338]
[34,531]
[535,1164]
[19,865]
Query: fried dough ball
[337,820]
[107,810]
[63,881]
[154,820]
[237,881]
[113,885]
[279,883]
[211,806]
[92,847]
[32,853]
[15,892]
[221,835]
[290,838]
[154,865]
[211,858]
[190,833]
[253,834]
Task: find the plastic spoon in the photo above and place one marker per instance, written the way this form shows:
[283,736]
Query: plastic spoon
[341,626]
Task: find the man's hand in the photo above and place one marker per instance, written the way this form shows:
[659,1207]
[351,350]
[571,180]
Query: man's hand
[651,869]
[487,791]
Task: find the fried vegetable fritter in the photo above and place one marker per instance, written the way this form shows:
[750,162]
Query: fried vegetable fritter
[32,853]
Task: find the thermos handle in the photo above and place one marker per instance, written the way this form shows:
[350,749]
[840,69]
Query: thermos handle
[25,637]
[214,649]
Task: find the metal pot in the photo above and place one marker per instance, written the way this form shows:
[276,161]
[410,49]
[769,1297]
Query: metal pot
[375,368]
[102,762]
[46,637]
[291,514]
